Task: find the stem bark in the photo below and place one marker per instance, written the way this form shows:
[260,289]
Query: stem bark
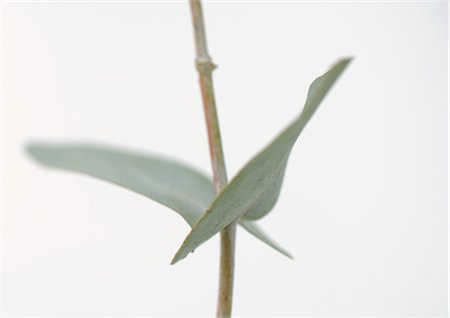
[205,67]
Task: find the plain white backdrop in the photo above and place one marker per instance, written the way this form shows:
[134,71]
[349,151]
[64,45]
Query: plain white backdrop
[364,204]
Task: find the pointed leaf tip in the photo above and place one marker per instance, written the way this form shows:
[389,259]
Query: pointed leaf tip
[254,229]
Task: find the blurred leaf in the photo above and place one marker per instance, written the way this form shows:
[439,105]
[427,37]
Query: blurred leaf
[173,184]
[254,190]
[178,187]
[254,229]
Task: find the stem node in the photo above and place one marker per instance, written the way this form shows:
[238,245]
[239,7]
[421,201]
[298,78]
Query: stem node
[205,65]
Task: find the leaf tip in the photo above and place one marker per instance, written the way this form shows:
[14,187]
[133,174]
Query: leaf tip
[33,149]
[348,58]
[30,147]
[286,253]
[345,61]
[180,254]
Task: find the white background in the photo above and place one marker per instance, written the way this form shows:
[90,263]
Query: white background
[364,204]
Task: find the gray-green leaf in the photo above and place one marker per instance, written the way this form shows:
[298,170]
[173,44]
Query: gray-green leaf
[176,185]
[254,229]
[253,192]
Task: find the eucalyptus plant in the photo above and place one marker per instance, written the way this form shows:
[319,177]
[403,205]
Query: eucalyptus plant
[208,206]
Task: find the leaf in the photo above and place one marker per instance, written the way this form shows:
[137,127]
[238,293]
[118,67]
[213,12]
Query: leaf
[254,190]
[173,184]
[254,229]
[178,187]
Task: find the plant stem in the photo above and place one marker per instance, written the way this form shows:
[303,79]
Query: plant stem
[205,67]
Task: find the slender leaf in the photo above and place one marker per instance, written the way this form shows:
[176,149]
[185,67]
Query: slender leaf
[254,229]
[173,184]
[254,190]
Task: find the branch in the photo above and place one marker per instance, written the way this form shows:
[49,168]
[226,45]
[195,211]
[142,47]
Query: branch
[205,67]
